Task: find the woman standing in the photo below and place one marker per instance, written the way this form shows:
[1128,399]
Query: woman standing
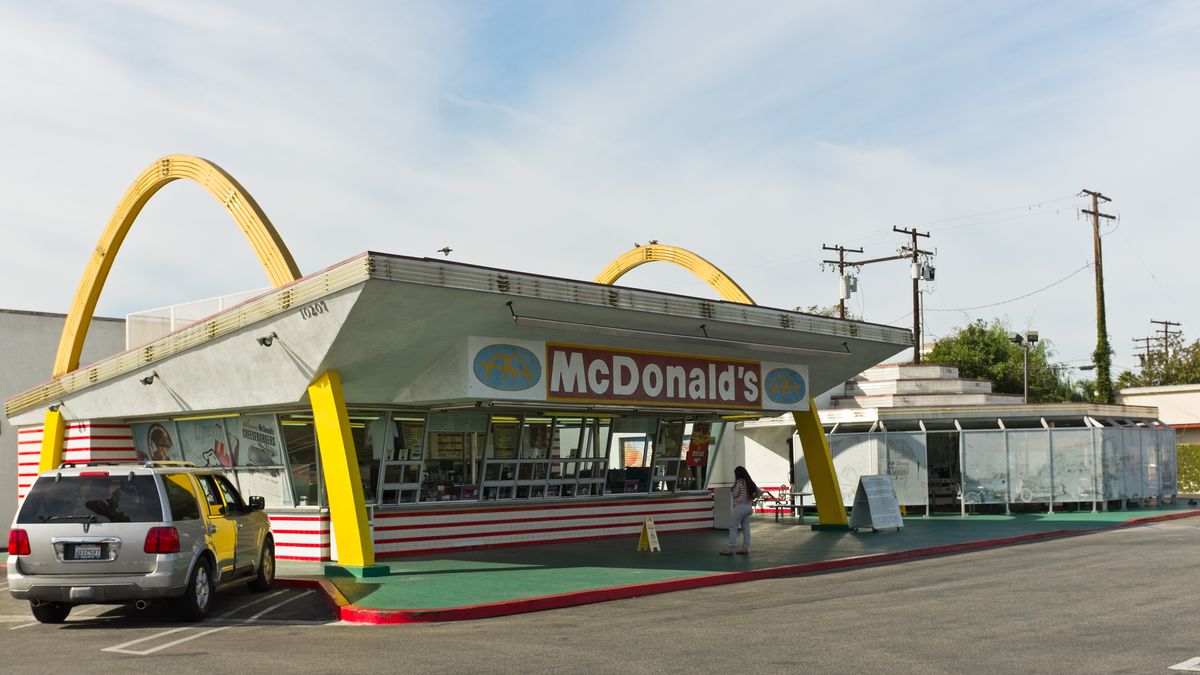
[743,492]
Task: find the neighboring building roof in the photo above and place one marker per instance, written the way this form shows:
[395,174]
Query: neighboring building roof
[1179,405]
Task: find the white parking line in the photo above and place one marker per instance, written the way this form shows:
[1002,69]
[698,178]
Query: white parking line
[123,647]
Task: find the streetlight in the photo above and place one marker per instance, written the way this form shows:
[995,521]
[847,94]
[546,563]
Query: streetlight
[1029,338]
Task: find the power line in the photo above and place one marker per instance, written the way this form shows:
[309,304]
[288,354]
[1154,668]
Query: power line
[1019,297]
[999,211]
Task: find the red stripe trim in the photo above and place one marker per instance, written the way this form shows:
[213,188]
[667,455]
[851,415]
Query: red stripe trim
[299,545]
[509,521]
[89,437]
[301,558]
[306,519]
[275,531]
[549,506]
[514,533]
[37,442]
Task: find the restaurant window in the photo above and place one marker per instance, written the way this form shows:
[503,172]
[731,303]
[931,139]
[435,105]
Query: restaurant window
[700,441]
[668,457]
[403,458]
[299,438]
[454,441]
[538,457]
[367,428]
[630,454]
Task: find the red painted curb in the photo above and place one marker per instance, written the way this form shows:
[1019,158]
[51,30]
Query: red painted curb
[357,614]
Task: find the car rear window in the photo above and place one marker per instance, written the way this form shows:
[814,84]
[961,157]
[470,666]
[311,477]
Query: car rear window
[94,499]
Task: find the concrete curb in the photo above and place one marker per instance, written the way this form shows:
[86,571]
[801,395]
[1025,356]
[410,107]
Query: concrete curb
[358,614]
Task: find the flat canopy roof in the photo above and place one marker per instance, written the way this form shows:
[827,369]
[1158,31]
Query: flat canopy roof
[397,329]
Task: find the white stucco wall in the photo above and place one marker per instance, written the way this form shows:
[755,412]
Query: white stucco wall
[28,341]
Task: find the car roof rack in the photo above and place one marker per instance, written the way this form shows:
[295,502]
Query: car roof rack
[78,464]
[150,464]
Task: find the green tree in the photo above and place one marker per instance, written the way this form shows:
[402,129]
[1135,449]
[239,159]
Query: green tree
[1178,363]
[984,351]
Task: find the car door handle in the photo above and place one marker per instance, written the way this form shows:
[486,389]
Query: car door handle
[239,525]
[212,529]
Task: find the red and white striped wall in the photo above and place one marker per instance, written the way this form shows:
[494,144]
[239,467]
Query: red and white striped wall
[446,529]
[300,535]
[82,442]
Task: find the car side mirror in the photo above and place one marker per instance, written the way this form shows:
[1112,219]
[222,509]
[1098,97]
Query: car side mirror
[258,503]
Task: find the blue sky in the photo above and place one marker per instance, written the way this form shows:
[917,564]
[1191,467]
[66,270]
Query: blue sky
[550,136]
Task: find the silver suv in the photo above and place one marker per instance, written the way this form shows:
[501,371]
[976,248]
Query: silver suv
[119,533]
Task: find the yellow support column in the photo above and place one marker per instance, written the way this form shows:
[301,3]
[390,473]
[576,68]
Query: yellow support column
[831,512]
[52,441]
[343,484]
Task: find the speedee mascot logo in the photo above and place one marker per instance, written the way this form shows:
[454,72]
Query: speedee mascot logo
[507,367]
[784,386]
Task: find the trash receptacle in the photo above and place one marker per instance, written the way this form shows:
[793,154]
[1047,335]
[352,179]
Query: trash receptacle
[721,503]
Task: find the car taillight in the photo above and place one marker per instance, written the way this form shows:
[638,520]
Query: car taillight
[162,540]
[18,542]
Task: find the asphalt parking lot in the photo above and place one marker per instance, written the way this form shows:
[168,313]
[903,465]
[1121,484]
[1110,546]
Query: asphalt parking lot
[1117,601]
[125,630]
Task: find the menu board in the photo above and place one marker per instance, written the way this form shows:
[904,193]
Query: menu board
[504,441]
[446,446]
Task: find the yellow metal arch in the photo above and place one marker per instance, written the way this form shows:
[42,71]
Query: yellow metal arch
[640,255]
[265,240]
[831,512]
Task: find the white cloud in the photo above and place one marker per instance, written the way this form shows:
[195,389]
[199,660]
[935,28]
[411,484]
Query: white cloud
[750,134]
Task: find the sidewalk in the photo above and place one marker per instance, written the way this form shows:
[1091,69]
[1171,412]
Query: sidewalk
[500,581]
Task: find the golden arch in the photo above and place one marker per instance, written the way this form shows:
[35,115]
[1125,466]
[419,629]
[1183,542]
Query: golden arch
[831,512]
[265,240]
[640,255]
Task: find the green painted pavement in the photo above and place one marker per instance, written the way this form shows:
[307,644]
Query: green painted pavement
[513,573]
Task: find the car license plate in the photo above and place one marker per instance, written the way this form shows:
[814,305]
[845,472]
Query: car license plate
[87,551]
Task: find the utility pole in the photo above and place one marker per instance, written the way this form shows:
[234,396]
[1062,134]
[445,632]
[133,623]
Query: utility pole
[1144,356]
[841,267]
[1167,333]
[1102,357]
[905,252]
[916,290]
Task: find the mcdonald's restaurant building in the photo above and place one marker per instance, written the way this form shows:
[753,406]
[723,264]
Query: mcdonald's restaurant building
[391,405]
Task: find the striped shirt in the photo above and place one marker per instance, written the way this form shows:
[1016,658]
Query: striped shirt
[739,492]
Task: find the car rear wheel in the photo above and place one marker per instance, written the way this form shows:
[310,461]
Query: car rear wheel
[50,612]
[195,602]
[266,569]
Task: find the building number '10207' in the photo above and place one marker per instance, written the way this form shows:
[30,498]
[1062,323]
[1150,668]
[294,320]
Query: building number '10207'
[316,308]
